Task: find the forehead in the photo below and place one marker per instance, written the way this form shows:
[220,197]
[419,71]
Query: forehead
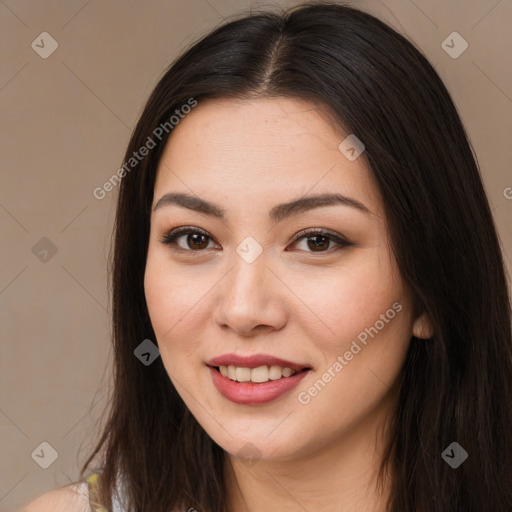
[261,149]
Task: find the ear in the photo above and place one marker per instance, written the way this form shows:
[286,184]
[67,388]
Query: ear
[422,327]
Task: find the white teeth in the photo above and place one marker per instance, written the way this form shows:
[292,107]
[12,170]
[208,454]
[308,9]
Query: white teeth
[243,374]
[275,373]
[260,374]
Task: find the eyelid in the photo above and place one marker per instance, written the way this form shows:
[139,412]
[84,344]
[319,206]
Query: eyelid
[310,232]
[170,237]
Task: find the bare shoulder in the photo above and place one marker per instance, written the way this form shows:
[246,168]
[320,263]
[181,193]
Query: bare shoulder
[69,498]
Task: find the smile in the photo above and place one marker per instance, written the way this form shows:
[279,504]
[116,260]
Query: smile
[255,379]
[257,375]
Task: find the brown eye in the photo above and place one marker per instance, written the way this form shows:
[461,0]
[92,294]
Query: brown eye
[319,240]
[318,243]
[190,239]
[194,239]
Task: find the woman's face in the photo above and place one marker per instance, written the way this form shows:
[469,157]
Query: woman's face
[241,284]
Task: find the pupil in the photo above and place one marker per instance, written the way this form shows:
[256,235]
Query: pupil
[316,246]
[202,245]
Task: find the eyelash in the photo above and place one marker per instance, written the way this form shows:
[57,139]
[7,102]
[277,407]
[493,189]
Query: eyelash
[171,237]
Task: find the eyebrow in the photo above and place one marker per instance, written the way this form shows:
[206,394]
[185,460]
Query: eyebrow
[277,213]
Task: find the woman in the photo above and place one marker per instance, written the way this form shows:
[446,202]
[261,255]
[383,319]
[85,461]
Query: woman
[303,233]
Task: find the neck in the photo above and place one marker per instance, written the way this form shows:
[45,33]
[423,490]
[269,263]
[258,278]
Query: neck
[341,477]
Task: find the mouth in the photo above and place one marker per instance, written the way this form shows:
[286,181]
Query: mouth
[256,379]
[257,375]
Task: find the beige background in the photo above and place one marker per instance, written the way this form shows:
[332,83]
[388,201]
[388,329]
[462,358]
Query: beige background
[66,121]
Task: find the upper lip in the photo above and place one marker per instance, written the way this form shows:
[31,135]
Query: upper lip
[255,360]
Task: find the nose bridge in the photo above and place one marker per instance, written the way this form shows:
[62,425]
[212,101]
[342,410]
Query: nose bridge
[249,270]
[247,296]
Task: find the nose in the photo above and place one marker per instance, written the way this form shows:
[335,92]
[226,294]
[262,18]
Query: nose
[251,298]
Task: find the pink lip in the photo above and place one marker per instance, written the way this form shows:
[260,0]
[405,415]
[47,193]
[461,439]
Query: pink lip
[249,393]
[254,361]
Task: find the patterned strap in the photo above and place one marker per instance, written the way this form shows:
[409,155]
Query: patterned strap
[92,482]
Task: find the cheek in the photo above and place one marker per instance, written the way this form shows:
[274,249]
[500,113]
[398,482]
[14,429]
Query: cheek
[172,299]
[370,315]
[346,300]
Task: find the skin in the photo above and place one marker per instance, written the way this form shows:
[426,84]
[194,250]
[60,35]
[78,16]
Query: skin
[292,302]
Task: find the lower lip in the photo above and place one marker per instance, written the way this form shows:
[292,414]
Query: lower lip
[249,393]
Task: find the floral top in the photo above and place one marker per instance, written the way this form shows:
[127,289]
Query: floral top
[92,487]
[92,484]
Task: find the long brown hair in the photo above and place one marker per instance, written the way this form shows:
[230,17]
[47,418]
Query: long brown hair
[455,386]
